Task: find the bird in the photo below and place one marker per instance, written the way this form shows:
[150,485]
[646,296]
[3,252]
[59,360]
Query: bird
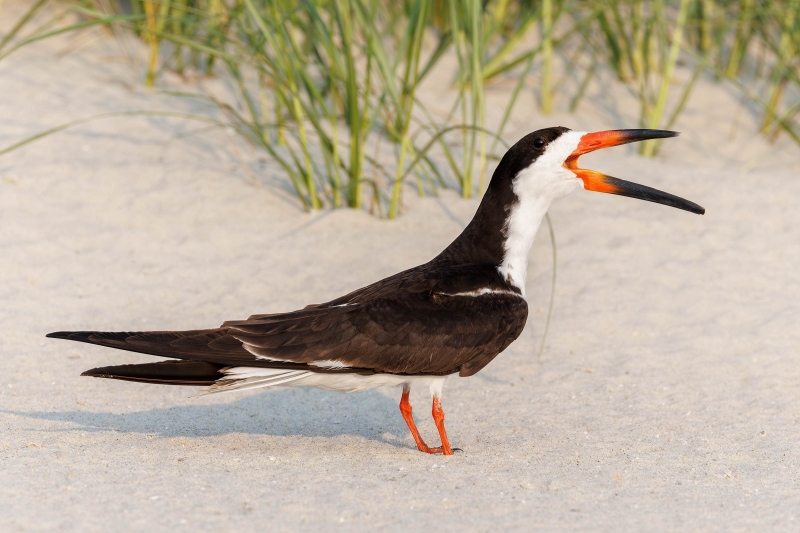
[450,316]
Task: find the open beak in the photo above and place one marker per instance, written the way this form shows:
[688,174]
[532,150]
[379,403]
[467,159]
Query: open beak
[596,181]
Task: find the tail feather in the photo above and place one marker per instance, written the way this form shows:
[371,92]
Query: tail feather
[212,345]
[173,372]
[210,357]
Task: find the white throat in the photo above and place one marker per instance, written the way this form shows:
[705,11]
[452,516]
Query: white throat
[536,187]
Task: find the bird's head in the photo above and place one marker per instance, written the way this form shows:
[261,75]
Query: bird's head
[546,163]
[540,168]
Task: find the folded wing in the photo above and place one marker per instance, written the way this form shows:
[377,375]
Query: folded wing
[456,320]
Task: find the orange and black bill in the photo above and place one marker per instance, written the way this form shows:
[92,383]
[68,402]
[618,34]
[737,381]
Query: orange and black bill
[597,181]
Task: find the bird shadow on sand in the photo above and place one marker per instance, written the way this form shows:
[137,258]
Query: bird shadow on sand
[280,413]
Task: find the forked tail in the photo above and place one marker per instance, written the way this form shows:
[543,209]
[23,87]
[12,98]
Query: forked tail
[196,357]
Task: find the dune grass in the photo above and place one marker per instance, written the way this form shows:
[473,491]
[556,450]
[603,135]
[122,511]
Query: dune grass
[329,89]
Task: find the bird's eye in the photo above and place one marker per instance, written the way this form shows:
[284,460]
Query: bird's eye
[538,143]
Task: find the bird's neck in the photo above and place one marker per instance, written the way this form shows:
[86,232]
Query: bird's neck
[503,229]
[520,231]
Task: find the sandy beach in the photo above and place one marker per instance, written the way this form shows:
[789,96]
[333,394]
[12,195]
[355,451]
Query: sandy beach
[667,396]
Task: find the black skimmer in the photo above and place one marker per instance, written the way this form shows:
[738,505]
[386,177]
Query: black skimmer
[452,315]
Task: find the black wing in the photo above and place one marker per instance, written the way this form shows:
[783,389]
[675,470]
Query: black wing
[422,321]
[417,322]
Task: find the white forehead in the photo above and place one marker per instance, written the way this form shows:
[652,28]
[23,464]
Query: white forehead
[560,149]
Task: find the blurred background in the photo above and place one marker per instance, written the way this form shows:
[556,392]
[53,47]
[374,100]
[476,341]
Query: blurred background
[352,99]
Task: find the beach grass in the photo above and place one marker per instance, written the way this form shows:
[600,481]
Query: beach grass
[329,89]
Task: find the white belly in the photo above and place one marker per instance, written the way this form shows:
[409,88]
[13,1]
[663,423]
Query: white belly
[248,377]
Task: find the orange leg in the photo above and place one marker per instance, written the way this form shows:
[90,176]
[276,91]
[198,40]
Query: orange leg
[405,409]
[438,417]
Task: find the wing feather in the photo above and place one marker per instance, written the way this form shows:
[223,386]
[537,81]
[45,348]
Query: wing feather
[402,333]
[428,320]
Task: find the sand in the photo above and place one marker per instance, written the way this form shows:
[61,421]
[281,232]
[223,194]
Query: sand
[667,397]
